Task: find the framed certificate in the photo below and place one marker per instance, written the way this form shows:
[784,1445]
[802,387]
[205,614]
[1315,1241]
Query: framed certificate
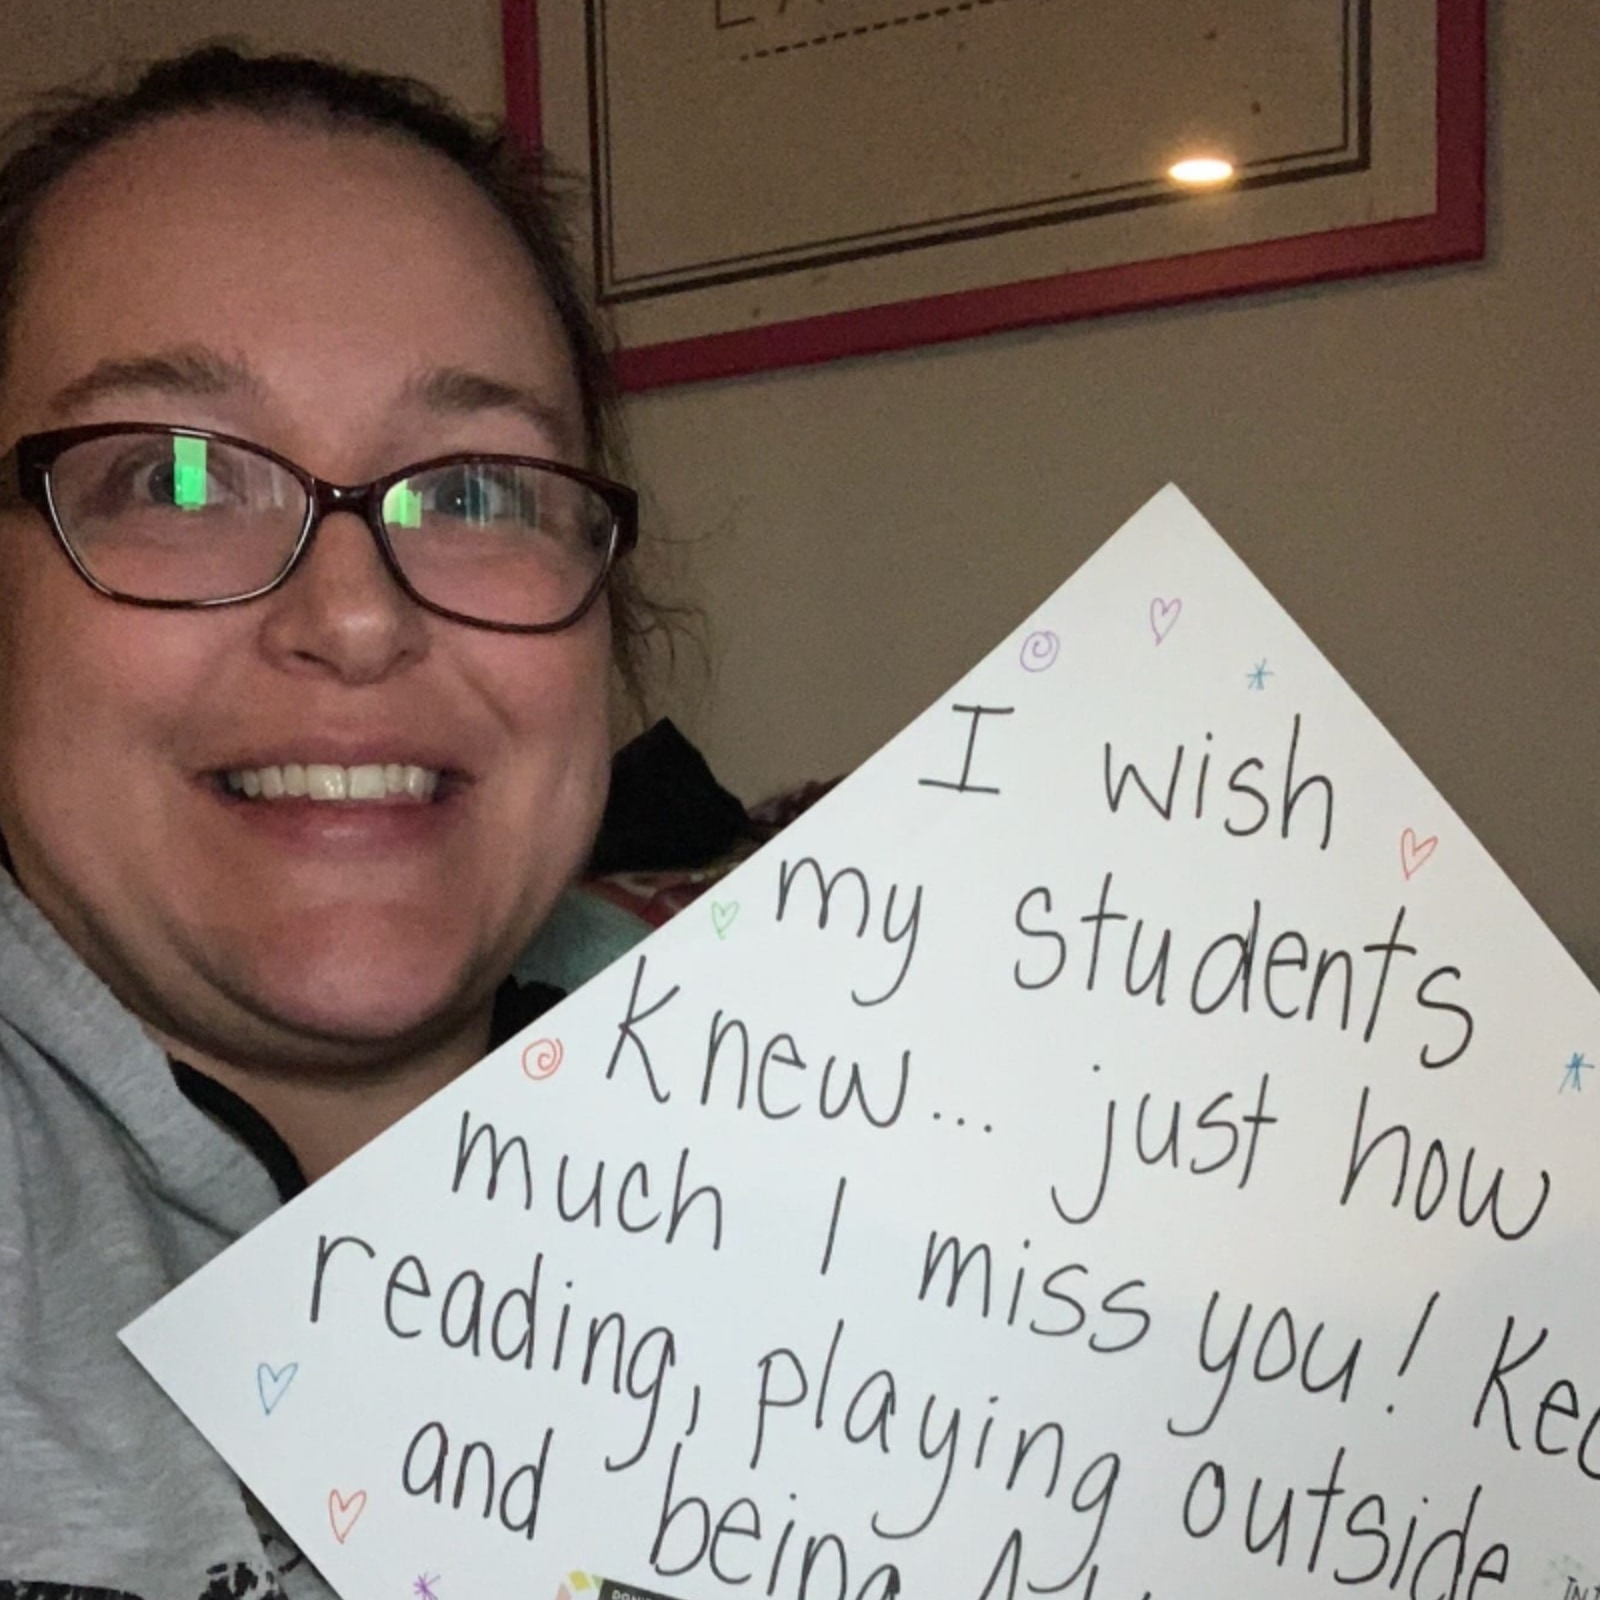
[773,182]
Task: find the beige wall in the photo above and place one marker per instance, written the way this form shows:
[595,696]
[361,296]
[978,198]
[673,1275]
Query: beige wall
[453,43]
[1410,463]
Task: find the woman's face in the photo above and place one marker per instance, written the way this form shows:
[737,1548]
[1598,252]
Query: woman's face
[337,297]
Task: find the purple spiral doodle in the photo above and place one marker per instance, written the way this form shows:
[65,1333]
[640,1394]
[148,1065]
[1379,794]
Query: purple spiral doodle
[1039,650]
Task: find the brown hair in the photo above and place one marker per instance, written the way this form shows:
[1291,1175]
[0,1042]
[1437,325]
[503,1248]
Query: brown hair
[39,149]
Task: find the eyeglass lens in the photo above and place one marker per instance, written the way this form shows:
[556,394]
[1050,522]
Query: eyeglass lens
[160,516]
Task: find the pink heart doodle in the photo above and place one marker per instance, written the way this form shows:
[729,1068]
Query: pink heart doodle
[344,1511]
[1164,616]
[1414,851]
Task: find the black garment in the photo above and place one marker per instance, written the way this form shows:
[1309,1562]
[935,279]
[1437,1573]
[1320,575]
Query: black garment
[665,809]
[515,1006]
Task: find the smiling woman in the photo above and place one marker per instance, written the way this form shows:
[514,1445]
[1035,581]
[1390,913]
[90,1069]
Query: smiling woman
[314,588]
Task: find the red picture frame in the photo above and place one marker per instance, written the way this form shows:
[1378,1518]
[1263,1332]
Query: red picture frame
[1454,231]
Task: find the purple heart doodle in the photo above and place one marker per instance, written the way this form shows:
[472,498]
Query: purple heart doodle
[1164,616]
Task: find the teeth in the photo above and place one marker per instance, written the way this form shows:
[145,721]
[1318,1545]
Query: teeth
[323,781]
[367,783]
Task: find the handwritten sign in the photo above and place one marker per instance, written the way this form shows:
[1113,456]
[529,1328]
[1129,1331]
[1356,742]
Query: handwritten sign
[1128,1141]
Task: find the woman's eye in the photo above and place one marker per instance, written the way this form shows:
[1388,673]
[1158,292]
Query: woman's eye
[475,494]
[165,485]
[183,479]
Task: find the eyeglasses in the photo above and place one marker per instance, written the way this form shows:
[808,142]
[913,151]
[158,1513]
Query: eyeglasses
[187,518]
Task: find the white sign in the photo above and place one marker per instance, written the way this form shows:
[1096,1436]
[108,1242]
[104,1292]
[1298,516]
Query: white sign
[1128,1140]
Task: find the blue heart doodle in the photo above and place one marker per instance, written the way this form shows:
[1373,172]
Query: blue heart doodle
[272,1385]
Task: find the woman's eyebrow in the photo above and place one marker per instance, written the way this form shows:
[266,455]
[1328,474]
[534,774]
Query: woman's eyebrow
[196,371]
[459,392]
[184,370]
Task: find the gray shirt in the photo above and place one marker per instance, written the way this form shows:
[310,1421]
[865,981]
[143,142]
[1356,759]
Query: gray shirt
[113,1188]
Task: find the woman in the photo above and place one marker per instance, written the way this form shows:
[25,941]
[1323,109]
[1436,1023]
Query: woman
[289,773]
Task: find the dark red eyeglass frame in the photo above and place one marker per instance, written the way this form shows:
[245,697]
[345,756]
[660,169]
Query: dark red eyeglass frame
[25,473]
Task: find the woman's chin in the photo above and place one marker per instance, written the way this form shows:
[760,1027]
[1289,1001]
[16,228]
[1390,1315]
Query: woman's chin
[359,1015]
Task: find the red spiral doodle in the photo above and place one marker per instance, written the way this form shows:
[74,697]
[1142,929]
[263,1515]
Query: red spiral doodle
[542,1059]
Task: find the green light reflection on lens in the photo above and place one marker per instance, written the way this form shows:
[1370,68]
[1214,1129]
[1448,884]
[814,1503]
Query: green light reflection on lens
[189,473]
[402,507]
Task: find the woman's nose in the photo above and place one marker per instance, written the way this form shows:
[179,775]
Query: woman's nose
[341,611]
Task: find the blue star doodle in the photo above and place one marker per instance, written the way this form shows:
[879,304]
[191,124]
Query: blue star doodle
[423,1588]
[1572,1073]
[1257,676]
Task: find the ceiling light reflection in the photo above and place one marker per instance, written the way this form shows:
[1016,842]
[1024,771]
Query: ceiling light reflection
[1200,172]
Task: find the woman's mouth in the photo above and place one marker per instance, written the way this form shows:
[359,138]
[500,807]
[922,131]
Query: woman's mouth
[324,781]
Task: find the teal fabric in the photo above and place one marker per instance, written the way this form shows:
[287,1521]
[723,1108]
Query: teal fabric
[584,935]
